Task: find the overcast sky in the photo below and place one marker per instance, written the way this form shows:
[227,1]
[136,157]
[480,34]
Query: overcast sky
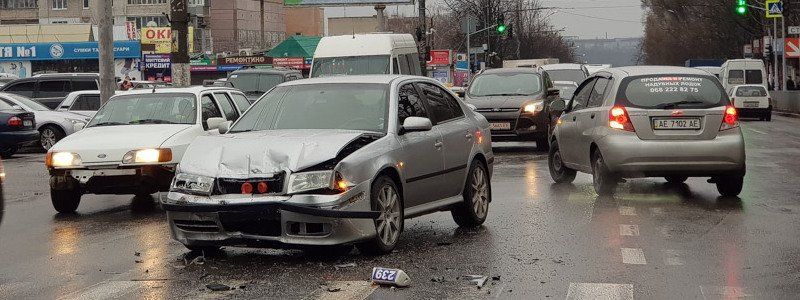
[582,18]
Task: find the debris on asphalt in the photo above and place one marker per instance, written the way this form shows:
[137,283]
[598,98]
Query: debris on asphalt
[444,243]
[496,278]
[478,280]
[198,260]
[138,261]
[218,287]
[558,261]
[391,277]
[137,254]
[333,290]
[437,279]
[347,265]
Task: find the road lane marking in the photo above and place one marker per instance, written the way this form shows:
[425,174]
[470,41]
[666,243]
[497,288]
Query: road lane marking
[756,131]
[345,290]
[627,210]
[673,258]
[657,211]
[726,292]
[628,230]
[633,256]
[610,291]
[105,290]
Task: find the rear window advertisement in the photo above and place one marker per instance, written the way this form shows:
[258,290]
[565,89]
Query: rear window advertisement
[672,90]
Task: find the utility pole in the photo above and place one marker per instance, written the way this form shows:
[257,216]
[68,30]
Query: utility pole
[775,54]
[423,43]
[381,16]
[106,46]
[783,57]
[179,19]
[261,17]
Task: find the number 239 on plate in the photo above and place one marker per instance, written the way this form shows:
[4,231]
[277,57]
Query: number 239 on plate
[390,276]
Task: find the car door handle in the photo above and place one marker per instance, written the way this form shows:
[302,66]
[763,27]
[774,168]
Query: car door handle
[574,118]
[438,144]
[591,116]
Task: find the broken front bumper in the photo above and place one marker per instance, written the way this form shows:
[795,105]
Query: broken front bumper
[271,221]
[115,180]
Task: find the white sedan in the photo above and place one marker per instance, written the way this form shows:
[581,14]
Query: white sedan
[133,143]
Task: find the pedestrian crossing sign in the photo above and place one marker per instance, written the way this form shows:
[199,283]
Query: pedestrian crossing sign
[774,9]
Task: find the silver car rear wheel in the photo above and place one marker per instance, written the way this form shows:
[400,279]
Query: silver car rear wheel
[558,171]
[604,180]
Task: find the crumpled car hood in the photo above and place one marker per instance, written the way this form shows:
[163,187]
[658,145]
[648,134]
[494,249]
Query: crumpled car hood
[263,153]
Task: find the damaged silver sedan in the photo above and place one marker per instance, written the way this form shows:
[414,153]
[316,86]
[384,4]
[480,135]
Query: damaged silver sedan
[334,161]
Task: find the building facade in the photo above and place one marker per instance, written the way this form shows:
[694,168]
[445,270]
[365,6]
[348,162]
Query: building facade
[236,25]
[308,21]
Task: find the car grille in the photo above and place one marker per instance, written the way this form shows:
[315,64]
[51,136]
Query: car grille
[196,226]
[234,186]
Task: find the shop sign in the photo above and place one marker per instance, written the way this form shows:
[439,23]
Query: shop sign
[246,60]
[157,61]
[54,51]
[290,62]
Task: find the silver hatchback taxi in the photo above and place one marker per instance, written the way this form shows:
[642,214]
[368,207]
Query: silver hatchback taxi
[649,121]
[331,161]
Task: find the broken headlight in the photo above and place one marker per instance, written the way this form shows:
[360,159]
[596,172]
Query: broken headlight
[307,181]
[192,184]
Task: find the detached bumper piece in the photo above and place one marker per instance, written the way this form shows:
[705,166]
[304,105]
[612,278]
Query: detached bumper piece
[145,180]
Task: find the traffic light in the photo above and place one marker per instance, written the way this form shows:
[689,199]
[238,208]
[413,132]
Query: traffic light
[741,7]
[501,24]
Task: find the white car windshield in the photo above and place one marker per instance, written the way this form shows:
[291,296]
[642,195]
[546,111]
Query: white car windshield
[319,106]
[159,108]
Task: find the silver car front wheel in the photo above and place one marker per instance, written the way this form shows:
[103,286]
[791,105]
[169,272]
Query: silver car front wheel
[49,136]
[386,199]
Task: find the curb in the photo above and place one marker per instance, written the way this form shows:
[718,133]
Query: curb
[787,114]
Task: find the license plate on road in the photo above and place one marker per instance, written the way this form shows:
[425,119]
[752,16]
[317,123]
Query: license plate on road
[27,123]
[676,123]
[500,126]
[751,104]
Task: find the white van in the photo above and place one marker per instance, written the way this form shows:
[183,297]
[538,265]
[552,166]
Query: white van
[360,54]
[743,71]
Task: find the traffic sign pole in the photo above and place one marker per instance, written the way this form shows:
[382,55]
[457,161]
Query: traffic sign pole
[783,57]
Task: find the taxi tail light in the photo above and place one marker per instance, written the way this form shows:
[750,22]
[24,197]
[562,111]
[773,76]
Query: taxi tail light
[730,119]
[15,122]
[247,188]
[618,119]
[262,187]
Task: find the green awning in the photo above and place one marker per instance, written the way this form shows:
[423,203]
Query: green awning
[296,46]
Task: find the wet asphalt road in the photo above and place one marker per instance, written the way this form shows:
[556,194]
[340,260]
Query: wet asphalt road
[651,240]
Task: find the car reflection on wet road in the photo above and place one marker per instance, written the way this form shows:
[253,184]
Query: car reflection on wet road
[650,240]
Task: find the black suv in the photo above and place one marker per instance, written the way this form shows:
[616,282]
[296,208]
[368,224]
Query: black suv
[50,89]
[255,82]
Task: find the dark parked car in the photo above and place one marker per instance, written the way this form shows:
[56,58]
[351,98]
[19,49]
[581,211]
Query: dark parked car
[515,101]
[17,129]
[50,89]
[255,82]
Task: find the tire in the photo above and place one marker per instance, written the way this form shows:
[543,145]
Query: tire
[385,198]
[676,179]
[729,186]
[558,171]
[604,180]
[66,201]
[8,152]
[768,117]
[477,196]
[49,135]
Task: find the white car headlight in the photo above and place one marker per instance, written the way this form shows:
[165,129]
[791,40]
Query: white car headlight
[147,156]
[533,108]
[192,184]
[307,181]
[62,159]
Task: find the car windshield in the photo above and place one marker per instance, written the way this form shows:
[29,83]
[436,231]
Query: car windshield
[670,91]
[319,106]
[254,82]
[751,91]
[566,90]
[351,65]
[29,103]
[506,84]
[567,75]
[147,109]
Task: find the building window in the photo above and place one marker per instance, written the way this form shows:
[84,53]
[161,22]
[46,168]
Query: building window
[59,4]
[11,4]
[147,1]
[197,2]
[85,4]
[143,21]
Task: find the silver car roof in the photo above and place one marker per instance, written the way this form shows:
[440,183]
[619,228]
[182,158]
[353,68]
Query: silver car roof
[653,70]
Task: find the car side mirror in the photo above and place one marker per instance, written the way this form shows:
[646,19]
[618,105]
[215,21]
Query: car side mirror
[213,123]
[558,106]
[472,107]
[224,127]
[553,92]
[412,124]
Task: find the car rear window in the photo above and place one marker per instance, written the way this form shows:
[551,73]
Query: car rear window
[669,91]
[751,91]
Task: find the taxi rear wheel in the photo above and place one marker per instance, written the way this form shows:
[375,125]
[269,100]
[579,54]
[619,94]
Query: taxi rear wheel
[729,186]
[66,201]
[604,180]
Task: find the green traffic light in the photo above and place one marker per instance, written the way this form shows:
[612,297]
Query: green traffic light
[501,28]
[741,10]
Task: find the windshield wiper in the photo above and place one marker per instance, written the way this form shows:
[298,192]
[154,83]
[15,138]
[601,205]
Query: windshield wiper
[253,92]
[506,94]
[108,124]
[674,104]
[151,121]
